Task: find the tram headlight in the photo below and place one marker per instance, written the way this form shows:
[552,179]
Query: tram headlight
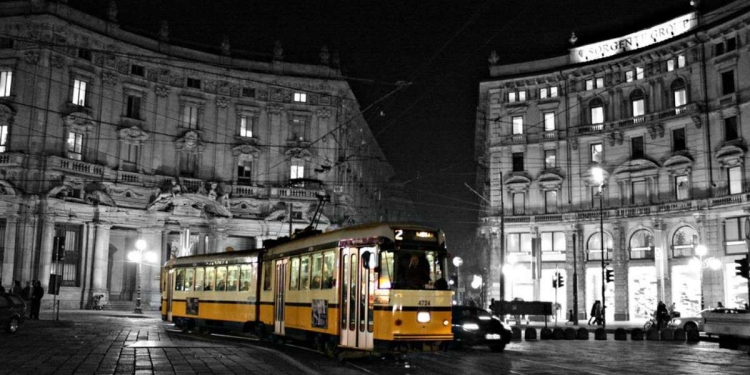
[446,322]
[470,326]
[423,316]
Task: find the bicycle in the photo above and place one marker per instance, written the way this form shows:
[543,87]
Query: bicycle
[653,323]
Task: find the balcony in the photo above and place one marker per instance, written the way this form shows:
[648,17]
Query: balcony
[76,166]
[638,121]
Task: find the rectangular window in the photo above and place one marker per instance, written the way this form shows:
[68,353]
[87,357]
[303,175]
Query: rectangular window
[639,73]
[221,279]
[680,61]
[550,159]
[553,241]
[317,271]
[79,92]
[589,84]
[3,138]
[130,157]
[244,169]
[629,76]
[6,43]
[304,273]
[247,126]
[670,65]
[553,92]
[543,93]
[6,78]
[518,162]
[194,83]
[517,125]
[512,97]
[550,201]
[734,235]
[636,147]
[233,278]
[297,171]
[75,145]
[678,140]
[731,132]
[199,273]
[519,204]
[639,193]
[247,278]
[210,282]
[84,54]
[638,108]
[682,187]
[596,196]
[734,176]
[248,92]
[597,115]
[727,82]
[329,276]
[134,107]
[188,164]
[521,96]
[549,121]
[519,242]
[300,97]
[599,82]
[190,116]
[680,97]
[597,152]
[267,274]
[69,237]
[137,70]
[719,49]
[294,274]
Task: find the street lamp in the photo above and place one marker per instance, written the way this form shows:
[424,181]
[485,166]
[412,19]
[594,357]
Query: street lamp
[457,261]
[597,173]
[476,283]
[138,256]
[701,264]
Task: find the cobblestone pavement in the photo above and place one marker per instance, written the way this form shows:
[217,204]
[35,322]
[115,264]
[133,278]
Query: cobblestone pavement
[106,342]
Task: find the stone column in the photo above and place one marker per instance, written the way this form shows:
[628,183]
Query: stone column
[661,261]
[10,250]
[45,257]
[575,267]
[101,260]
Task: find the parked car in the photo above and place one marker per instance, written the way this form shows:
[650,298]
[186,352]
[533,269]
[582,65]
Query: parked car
[475,326]
[12,312]
[689,323]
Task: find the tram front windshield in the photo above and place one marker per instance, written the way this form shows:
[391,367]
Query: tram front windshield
[404,269]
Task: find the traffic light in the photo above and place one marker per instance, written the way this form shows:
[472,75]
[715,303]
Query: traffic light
[560,281]
[610,276]
[742,269]
[554,283]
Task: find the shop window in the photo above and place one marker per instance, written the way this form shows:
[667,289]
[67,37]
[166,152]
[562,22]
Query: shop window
[642,245]
[594,247]
[734,235]
[553,242]
[684,242]
[518,243]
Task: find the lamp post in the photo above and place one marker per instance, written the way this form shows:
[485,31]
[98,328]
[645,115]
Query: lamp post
[137,256]
[700,263]
[598,174]
[457,261]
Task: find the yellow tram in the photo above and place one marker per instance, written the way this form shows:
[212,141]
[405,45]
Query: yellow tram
[374,287]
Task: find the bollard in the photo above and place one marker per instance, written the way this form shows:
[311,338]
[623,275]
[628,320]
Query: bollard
[667,334]
[600,334]
[621,335]
[693,335]
[652,334]
[582,334]
[558,333]
[545,334]
[516,333]
[636,334]
[679,335]
[570,333]
[530,333]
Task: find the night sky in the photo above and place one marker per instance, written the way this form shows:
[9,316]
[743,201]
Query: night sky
[426,129]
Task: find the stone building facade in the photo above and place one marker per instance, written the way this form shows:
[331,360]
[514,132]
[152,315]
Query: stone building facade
[108,137]
[665,114]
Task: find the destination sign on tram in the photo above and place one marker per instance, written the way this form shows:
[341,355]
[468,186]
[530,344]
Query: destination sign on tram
[414,235]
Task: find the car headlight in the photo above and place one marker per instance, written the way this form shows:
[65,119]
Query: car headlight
[423,317]
[677,322]
[470,326]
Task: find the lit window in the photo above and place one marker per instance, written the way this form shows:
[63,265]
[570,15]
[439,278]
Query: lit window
[670,65]
[680,96]
[297,171]
[543,93]
[300,97]
[6,78]
[680,61]
[517,125]
[550,159]
[521,96]
[553,92]
[599,82]
[75,145]
[247,125]
[682,188]
[511,97]
[79,92]
[734,180]
[638,107]
[549,121]
[629,76]
[597,150]
[639,73]
[589,84]
[190,116]
[3,137]
[553,241]
[597,114]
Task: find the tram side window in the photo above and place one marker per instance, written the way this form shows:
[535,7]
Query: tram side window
[328,277]
[304,274]
[199,279]
[233,280]
[294,274]
[189,279]
[221,279]
[179,279]
[267,276]
[210,279]
[245,277]
[317,271]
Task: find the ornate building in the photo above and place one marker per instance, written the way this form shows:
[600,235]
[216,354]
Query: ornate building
[663,114]
[108,137]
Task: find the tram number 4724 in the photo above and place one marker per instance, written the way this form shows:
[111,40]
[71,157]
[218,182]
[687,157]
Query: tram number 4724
[424,302]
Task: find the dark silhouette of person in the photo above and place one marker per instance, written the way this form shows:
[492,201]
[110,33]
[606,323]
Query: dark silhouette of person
[596,311]
[36,299]
[16,288]
[416,276]
[662,315]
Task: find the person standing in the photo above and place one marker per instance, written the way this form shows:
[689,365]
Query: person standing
[16,288]
[26,295]
[36,299]
[662,315]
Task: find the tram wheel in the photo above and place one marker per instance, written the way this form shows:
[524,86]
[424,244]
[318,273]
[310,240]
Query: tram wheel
[332,348]
[317,343]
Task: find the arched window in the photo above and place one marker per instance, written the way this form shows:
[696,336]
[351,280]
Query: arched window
[594,247]
[679,93]
[596,111]
[642,245]
[684,241]
[637,103]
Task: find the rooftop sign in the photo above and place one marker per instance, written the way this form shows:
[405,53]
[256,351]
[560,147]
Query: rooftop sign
[636,40]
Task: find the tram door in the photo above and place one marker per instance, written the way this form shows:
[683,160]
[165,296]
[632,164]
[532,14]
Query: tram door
[357,289]
[169,292]
[278,324]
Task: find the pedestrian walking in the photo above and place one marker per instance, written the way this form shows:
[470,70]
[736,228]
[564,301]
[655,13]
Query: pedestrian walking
[596,310]
[36,299]
[16,288]
[662,315]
